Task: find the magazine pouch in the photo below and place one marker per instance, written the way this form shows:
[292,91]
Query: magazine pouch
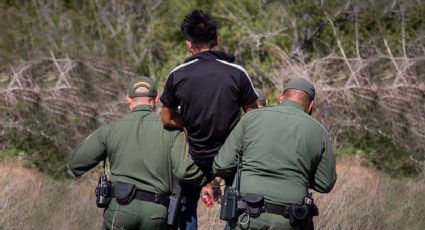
[124,193]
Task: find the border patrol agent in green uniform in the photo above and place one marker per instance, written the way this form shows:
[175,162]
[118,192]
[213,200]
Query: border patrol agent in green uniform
[141,153]
[284,152]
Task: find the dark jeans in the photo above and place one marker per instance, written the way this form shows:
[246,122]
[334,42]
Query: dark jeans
[188,216]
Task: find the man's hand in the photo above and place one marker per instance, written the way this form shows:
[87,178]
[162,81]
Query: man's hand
[207,194]
[212,189]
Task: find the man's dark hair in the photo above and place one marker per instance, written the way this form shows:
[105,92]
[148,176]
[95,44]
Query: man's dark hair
[200,28]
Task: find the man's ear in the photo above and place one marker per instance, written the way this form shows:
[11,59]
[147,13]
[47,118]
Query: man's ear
[217,41]
[188,44]
[154,101]
[310,107]
[129,101]
[281,98]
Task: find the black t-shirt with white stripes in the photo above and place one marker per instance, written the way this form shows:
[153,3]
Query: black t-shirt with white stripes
[210,91]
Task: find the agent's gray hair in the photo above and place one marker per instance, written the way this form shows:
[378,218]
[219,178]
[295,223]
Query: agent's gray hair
[141,90]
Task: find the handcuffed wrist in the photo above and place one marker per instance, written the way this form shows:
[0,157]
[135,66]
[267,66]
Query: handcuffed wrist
[215,184]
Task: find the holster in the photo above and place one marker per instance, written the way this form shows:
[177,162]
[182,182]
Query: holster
[298,214]
[124,193]
[228,204]
[301,215]
[175,203]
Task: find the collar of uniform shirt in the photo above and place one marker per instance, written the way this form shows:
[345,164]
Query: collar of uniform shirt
[143,108]
[212,55]
[292,104]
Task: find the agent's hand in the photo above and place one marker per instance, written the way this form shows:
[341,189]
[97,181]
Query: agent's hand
[212,189]
[215,186]
[207,195]
[207,190]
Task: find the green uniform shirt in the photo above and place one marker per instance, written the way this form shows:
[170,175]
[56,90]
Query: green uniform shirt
[140,152]
[284,151]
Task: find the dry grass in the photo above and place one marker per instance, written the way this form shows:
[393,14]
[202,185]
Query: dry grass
[365,199]
[31,200]
[362,199]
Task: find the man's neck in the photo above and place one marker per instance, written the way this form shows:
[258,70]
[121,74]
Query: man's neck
[196,51]
[296,101]
[134,105]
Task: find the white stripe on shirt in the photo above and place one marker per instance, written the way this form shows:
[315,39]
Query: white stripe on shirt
[183,65]
[242,69]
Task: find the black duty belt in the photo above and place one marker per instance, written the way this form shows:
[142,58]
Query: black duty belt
[150,197]
[282,210]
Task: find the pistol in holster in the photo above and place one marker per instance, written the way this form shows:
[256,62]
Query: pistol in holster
[175,203]
[301,215]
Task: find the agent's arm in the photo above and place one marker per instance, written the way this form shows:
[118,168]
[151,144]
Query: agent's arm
[325,176]
[182,164]
[226,160]
[86,156]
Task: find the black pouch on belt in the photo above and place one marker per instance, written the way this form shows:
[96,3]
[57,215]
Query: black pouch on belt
[297,214]
[124,193]
[254,204]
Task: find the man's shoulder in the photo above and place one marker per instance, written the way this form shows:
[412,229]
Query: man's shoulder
[317,123]
[232,66]
[303,117]
[135,117]
[307,119]
[213,64]
[264,111]
[183,66]
[151,120]
[257,113]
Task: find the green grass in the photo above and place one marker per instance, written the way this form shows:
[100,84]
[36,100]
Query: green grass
[37,151]
[380,152]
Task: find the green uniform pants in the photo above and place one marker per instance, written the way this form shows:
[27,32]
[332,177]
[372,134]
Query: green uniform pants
[264,221]
[135,215]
